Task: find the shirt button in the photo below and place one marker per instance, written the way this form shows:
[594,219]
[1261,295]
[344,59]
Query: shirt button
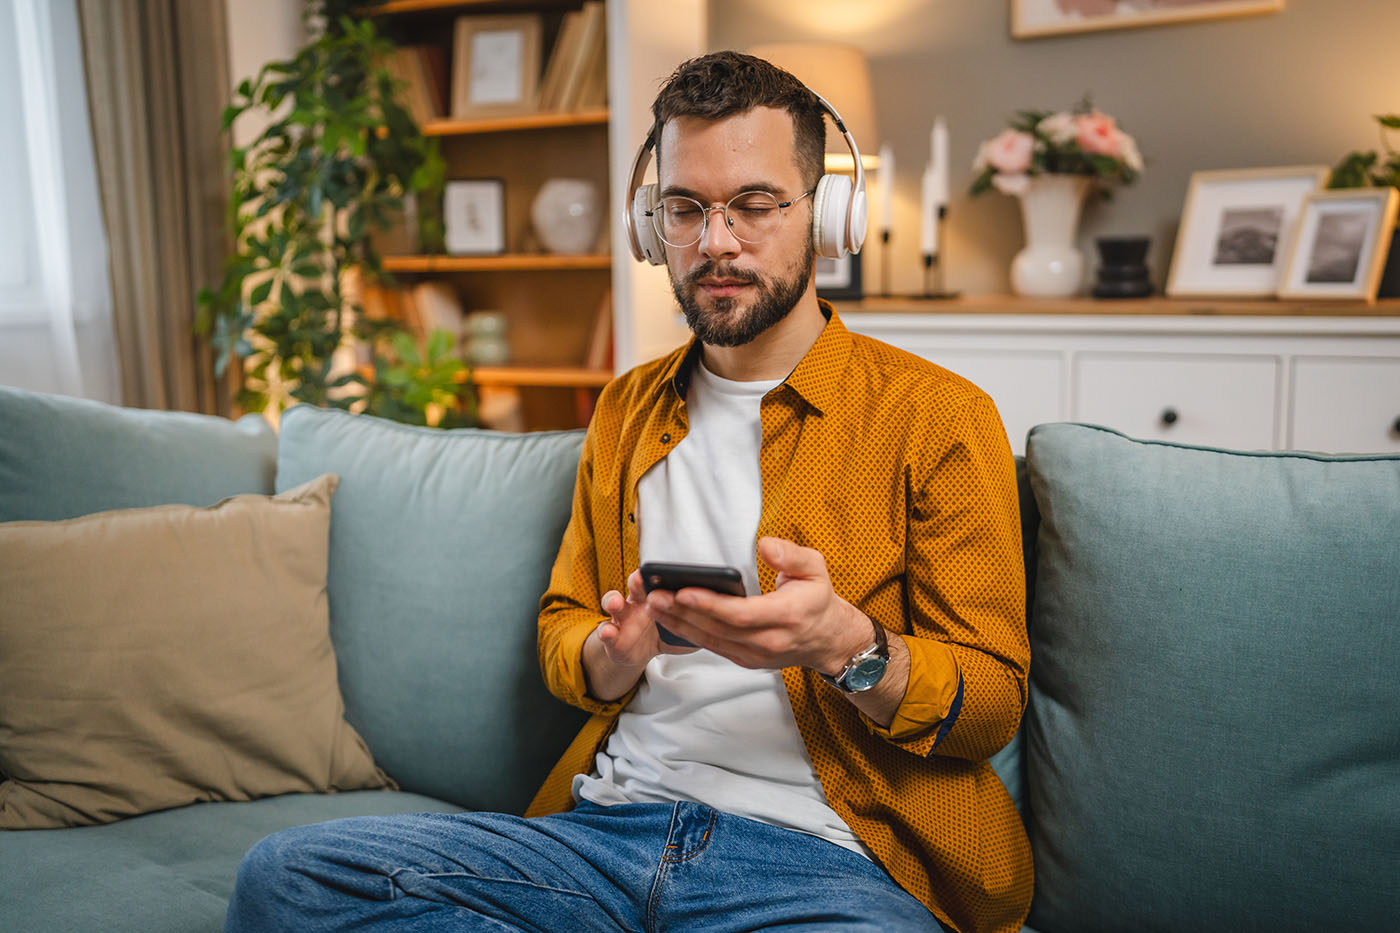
[631,518]
[665,438]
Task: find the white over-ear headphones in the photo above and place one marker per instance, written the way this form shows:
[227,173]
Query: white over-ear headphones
[838,208]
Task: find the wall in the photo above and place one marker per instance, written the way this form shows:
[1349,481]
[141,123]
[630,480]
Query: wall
[1288,88]
[260,31]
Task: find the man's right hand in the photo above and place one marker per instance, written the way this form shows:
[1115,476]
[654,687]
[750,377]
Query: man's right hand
[617,651]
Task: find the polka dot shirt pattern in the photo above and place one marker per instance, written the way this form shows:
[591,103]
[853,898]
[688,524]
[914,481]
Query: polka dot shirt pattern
[899,472]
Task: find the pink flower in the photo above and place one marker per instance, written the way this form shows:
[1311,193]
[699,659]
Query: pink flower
[1099,135]
[1060,128]
[1009,152]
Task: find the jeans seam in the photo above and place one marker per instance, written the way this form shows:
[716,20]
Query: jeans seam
[703,844]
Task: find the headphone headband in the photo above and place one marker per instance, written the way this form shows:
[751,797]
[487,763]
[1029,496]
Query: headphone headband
[646,247]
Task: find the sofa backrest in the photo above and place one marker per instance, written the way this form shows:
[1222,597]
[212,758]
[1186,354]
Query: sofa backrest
[441,545]
[63,457]
[1212,741]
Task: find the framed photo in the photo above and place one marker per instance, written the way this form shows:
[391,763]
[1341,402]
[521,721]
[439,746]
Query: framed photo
[1030,18]
[838,279]
[1341,244]
[495,65]
[1235,230]
[474,216]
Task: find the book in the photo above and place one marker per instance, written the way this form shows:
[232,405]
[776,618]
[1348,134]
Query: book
[407,64]
[438,308]
[593,95]
[552,84]
[592,30]
[600,343]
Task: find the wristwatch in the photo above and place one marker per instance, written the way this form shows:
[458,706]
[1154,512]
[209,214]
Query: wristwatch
[864,670]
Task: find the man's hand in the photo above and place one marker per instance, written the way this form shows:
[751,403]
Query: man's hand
[617,651]
[803,622]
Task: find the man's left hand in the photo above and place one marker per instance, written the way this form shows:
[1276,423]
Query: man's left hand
[803,622]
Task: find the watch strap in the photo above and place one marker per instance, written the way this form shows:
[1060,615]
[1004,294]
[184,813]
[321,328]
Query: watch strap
[879,648]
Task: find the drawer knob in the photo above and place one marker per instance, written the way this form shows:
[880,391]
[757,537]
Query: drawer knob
[1170,417]
[1395,428]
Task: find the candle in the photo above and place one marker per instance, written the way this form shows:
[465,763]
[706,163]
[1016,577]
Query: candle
[928,213]
[940,162]
[886,187]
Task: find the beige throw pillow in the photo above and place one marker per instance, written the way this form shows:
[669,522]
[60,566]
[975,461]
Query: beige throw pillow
[151,658]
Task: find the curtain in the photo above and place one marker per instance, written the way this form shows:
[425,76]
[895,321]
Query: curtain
[55,303]
[157,78]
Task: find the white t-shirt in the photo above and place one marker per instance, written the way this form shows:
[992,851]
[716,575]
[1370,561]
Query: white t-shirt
[700,728]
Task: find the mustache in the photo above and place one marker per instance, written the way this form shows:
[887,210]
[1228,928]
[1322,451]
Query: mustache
[721,270]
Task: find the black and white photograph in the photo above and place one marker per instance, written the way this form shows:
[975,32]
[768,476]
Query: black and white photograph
[1236,225]
[1031,18]
[495,65]
[474,216]
[1336,248]
[1341,244]
[1248,236]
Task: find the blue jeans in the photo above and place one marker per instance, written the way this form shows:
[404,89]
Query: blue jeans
[679,866]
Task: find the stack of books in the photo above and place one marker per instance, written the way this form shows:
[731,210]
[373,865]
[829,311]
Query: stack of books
[576,76]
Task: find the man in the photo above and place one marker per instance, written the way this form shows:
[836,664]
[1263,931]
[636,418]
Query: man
[820,759]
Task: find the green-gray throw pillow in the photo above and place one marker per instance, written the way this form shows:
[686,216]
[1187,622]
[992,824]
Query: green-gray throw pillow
[63,457]
[1213,739]
[441,546]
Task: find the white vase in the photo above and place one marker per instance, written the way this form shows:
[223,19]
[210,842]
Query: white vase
[567,214]
[1050,266]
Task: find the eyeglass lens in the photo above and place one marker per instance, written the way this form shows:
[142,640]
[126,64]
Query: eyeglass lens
[752,217]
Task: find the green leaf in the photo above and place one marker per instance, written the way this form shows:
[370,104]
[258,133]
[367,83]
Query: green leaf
[1390,121]
[261,292]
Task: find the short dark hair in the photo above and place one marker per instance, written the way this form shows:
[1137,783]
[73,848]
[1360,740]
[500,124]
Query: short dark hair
[723,84]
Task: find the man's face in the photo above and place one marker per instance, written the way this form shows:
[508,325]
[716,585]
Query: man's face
[732,291]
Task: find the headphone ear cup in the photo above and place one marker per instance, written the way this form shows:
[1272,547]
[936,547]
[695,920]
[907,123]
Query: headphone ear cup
[647,243]
[829,204]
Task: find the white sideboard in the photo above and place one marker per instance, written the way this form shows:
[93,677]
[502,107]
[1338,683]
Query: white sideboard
[1249,375]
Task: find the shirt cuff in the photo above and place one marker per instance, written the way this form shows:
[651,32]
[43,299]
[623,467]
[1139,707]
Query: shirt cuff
[575,680]
[932,698]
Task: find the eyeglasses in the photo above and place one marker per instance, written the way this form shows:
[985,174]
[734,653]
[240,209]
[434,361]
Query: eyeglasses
[752,216]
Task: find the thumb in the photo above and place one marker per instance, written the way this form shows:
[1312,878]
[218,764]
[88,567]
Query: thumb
[791,559]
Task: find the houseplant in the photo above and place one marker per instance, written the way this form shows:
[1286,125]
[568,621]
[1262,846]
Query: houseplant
[336,160]
[1051,160]
[1376,169]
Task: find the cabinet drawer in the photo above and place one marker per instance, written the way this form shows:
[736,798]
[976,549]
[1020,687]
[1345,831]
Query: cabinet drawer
[1026,386]
[1346,404]
[1224,401]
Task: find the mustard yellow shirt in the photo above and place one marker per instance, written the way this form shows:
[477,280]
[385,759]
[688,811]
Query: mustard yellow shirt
[899,473]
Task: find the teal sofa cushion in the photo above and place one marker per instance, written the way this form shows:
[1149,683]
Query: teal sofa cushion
[1213,741]
[166,872]
[63,457]
[441,546]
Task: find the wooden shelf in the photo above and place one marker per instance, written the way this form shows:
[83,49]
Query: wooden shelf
[563,377]
[510,262]
[527,121]
[1011,304]
[390,7]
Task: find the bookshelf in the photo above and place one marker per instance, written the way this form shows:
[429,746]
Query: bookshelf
[553,304]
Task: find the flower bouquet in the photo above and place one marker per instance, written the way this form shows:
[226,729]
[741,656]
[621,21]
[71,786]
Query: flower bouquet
[1082,141]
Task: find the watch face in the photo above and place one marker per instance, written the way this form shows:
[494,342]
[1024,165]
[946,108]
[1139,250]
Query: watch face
[866,674]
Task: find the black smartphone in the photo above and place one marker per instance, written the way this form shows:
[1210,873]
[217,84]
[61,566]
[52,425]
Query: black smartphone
[659,575]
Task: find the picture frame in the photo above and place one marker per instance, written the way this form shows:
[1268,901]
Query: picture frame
[838,279]
[474,216]
[495,65]
[1341,243]
[1235,230]
[1034,18]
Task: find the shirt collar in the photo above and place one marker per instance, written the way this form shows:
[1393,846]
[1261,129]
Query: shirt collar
[817,377]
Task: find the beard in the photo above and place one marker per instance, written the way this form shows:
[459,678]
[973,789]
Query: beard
[726,324]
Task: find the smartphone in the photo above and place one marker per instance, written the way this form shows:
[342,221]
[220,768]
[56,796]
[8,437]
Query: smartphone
[658,575]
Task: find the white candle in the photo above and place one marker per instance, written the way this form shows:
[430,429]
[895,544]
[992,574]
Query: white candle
[940,162]
[886,187]
[928,213]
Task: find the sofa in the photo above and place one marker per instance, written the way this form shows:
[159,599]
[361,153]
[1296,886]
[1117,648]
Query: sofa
[1212,740]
